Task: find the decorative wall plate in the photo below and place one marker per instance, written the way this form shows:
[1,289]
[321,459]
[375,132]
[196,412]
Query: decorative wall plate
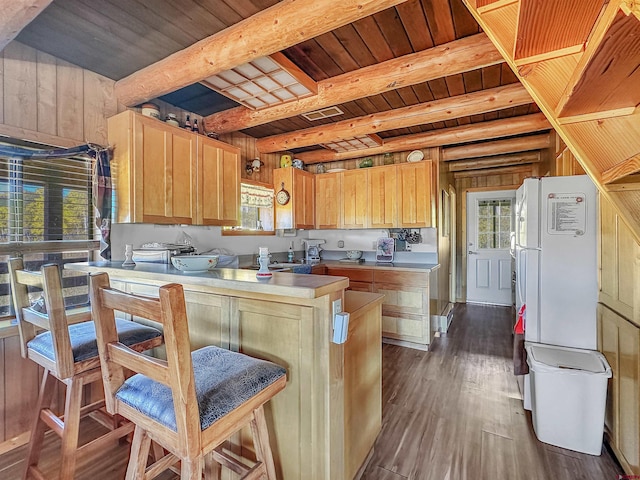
[415,156]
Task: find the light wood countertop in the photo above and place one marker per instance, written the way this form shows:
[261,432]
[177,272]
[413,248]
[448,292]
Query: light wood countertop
[280,283]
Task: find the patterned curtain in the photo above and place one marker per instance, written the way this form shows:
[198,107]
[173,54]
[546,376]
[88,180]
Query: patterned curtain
[102,197]
[255,196]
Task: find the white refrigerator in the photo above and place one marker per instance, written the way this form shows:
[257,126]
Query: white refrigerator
[556,261]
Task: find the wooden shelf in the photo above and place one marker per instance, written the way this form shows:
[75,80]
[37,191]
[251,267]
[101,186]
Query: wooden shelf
[607,77]
[552,29]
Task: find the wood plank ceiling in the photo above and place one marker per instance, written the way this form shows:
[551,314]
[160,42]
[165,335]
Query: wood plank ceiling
[116,38]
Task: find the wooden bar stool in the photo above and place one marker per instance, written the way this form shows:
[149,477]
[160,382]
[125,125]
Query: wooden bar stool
[64,344]
[189,404]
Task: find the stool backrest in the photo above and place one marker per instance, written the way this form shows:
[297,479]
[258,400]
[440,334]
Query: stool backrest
[176,372]
[55,319]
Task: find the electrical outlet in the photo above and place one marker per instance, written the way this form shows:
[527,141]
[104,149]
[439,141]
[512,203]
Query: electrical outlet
[407,247]
[340,243]
[336,307]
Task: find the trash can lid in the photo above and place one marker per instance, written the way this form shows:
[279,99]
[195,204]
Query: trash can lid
[568,360]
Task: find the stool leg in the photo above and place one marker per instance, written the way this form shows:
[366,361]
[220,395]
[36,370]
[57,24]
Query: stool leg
[139,454]
[38,427]
[212,469]
[190,469]
[73,404]
[260,434]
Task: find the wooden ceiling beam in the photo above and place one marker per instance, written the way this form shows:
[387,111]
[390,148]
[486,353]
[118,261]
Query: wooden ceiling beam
[459,56]
[493,171]
[286,23]
[447,136]
[488,149]
[17,14]
[508,160]
[483,101]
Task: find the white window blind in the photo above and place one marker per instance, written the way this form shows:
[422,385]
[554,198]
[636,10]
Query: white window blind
[46,216]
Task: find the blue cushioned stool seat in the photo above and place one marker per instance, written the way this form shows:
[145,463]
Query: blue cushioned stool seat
[83,339]
[223,381]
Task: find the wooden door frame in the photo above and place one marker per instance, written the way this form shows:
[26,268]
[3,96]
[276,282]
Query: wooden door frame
[462,287]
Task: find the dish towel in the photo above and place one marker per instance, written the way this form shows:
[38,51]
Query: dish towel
[301,269]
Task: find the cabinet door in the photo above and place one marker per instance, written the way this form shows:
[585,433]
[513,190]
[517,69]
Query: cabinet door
[328,194]
[218,183]
[283,178]
[414,194]
[304,199]
[354,198]
[628,393]
[383,199]
[616,247]
[620,343]
[164,166]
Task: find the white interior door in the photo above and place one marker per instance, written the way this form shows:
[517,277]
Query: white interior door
[490,217]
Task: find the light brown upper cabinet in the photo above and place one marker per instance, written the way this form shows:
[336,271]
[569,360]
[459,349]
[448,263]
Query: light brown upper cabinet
[354,199]
[299,211]
[383,198]
[168,175]
[218,175]
[328,200]
[414,194]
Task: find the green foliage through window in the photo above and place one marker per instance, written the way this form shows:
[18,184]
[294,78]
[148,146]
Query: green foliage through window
[494,223]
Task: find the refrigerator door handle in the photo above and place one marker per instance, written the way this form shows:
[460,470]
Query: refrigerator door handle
[520,274]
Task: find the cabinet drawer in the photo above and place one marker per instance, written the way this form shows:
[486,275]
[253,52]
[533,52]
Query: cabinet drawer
[414,279]
[319,270]
[411,328]
[354,274]
[399,299]
[360,286]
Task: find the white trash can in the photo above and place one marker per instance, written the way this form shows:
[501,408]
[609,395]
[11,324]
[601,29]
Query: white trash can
[568,396]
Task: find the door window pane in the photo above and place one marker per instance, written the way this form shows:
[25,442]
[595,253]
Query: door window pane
[494,223]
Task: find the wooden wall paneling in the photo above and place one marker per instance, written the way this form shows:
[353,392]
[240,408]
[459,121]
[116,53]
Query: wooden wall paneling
[20,92]
[47,93]
[618,139]
[70,108]
[2,86]
[99,104]
[4,393]
[21,384]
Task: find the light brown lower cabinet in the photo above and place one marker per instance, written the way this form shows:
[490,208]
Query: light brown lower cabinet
[324,423]
[619,341]
[405,308]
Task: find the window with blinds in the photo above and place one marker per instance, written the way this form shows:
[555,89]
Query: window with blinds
[46,216]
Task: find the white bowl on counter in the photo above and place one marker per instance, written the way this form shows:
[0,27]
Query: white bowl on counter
[194,263]
[354,254]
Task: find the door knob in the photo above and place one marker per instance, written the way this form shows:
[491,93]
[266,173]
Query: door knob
[470,252]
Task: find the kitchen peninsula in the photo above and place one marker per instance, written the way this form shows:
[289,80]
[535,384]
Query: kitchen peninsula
[325,422]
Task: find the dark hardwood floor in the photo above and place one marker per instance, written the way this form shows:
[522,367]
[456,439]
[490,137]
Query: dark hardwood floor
[453,413]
